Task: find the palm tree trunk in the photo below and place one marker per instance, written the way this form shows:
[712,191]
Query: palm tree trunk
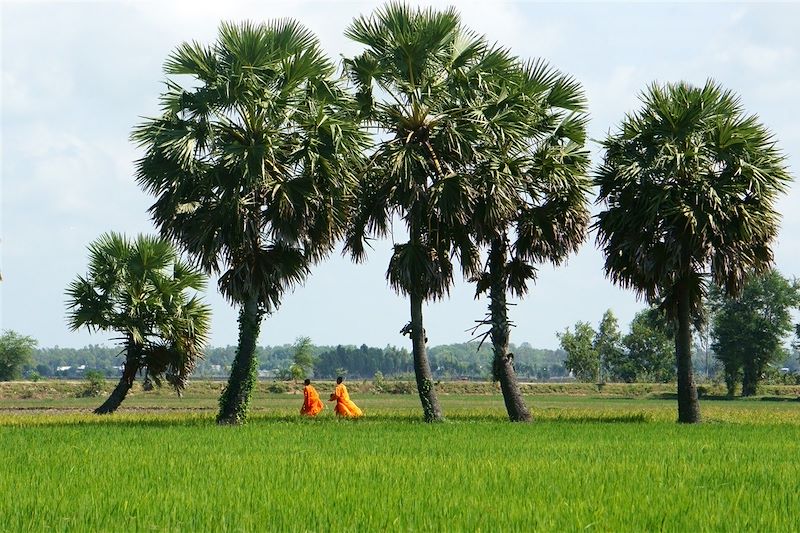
[688,406]
[503,366]
[235,399]
[422,367]
[121,390]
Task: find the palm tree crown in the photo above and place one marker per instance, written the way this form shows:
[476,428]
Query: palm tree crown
[689,183]
[415,83]
[252,168]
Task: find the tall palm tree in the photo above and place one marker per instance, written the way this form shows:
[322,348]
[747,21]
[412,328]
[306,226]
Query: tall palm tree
[252,165]
[140,289]
[414,80]
[689,184]
[532,190]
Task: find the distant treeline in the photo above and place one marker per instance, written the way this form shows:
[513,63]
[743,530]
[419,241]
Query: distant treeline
[448,361]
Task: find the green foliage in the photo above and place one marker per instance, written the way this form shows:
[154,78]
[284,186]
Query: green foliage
[253,161]
[417,81]
[650,349]
[689,183]
[234,402]
[645,354]
[15,352]
[749,331]
[141,290]
[378,382]
[303,358]
[277,387]
[608,345]
[94,383]
[583,359]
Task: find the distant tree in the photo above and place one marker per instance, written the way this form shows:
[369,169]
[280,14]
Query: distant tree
[303,358]
[141,290]
[15,352]
[749,331]
[582,358]
[44,370]
[649,349]
[689,184]
[608,345]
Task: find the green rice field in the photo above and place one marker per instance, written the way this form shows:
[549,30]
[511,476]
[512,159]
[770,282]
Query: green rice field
[588,463]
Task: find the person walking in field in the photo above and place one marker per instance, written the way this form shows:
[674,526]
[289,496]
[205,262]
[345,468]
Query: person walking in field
[344,405]
[312,405]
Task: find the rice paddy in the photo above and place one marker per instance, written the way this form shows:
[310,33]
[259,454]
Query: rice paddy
[587,463]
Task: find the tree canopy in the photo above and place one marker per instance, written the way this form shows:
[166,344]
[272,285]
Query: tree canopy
[689,184]
[15,352]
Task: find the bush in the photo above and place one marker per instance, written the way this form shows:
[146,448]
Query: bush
[278,387]
[401,387]
[95,382]
[378,382]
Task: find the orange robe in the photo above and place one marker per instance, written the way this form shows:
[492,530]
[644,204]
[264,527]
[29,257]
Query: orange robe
[311,402]
[344,405]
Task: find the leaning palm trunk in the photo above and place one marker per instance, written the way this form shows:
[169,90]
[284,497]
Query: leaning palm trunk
[235,399]
[688,406]
[121,390]
[422,367]
[503,366]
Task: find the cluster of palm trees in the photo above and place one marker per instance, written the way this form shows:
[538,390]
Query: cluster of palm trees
[269,158]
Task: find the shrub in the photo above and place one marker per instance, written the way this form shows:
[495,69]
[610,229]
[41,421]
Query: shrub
[378,382]
[278,387]
[401,387]
[95,381]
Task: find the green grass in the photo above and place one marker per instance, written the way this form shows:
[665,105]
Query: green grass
[596,464]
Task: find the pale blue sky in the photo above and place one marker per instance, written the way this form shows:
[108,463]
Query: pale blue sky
[76,77]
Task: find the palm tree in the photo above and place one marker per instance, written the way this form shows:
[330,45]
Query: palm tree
[139,289]
[414,81]
[531,202]
[252,167]
[689,184]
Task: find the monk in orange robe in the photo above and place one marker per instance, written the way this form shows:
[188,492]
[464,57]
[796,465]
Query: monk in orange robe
[344,405]
[311,402]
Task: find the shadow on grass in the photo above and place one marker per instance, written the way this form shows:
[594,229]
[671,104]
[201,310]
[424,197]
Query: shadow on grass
[701,397]
[207,420]
[780,399]
[726,398]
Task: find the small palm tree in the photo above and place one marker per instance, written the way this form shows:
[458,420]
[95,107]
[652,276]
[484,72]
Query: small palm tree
[140,290]
[689,184]
[252,169]
[415,80]
[531,204]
